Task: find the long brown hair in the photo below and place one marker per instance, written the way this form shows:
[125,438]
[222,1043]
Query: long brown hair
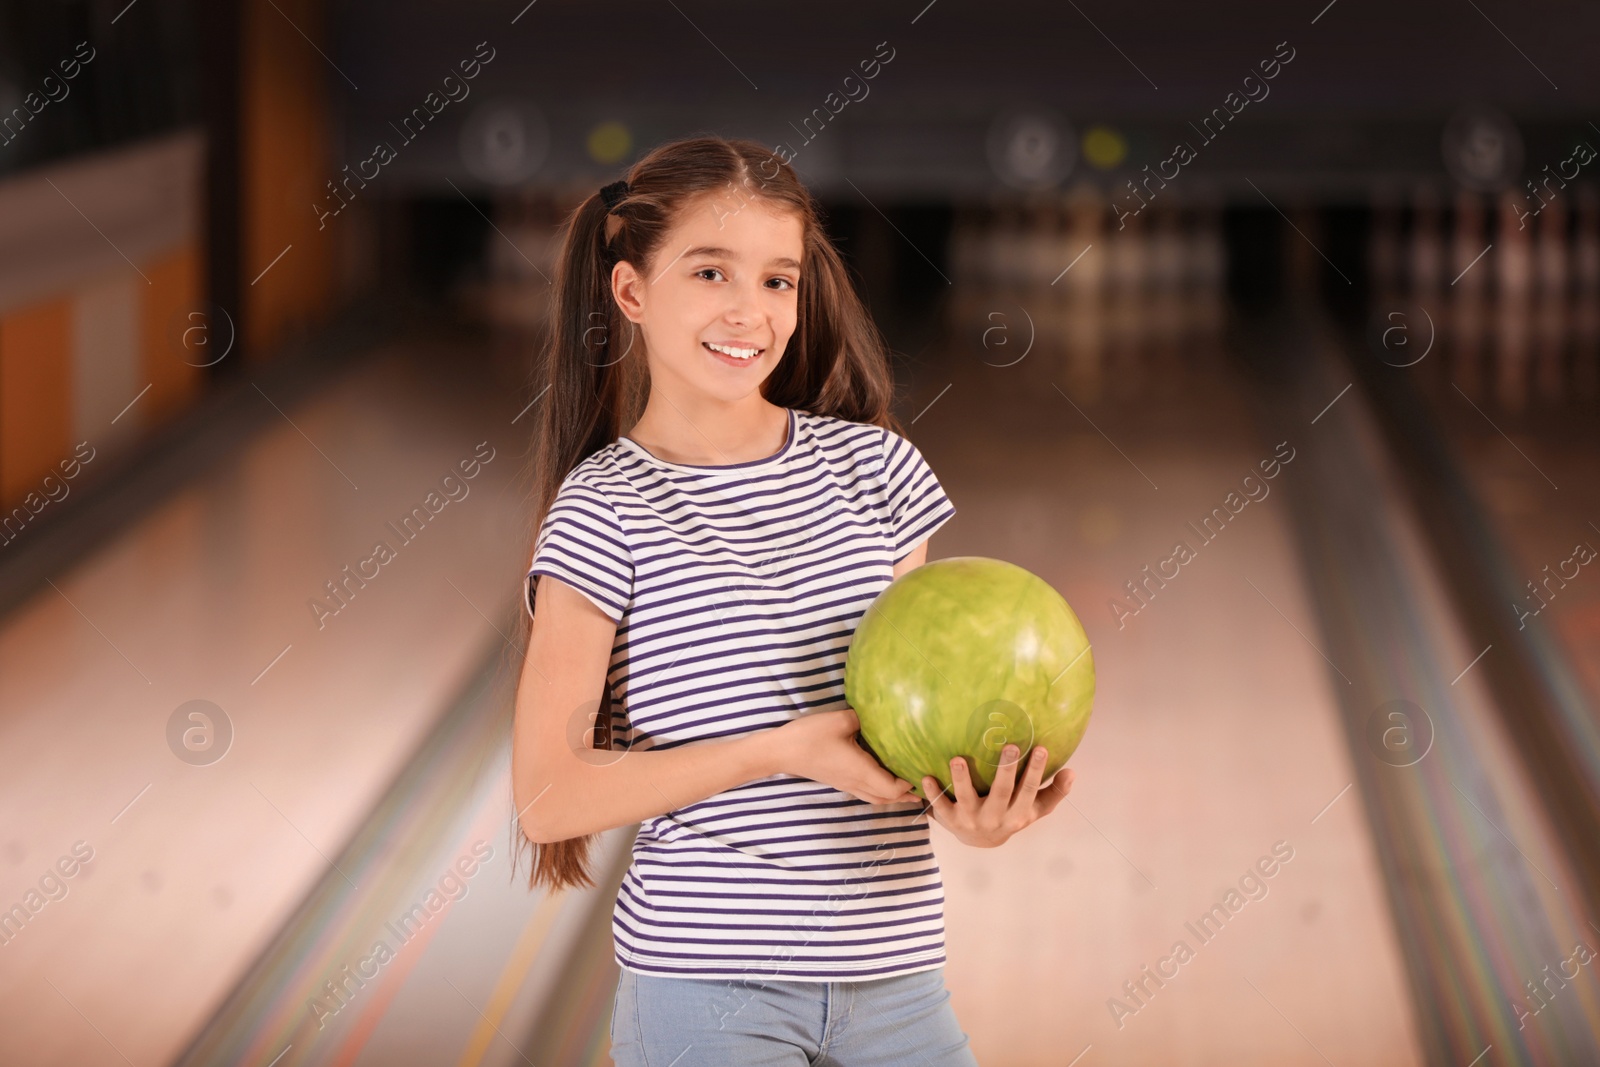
[593,382]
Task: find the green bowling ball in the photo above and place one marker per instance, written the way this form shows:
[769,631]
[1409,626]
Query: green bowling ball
[962,656]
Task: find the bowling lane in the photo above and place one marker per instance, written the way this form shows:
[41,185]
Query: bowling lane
[1505,375]
[1483,868]
[1216,751]
[209,596]
[1513,382]
[433,950]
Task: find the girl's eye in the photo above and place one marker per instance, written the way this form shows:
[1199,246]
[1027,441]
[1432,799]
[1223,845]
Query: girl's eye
[718,271]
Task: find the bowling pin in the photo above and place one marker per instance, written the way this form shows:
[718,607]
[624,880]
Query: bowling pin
[965,251]
[1210,269]
[1468,238]
[1088,226]
[1586,291]
[1042,240]
[1384,265]
[1126,249]
[1059,289]
[1036,327]
[1006,263]
[1466,314]
[1586,241]
[995,257]
[1513,256]
[1086,221]
[1302,261]
[1550,301]
[1425,246]
[1166,280]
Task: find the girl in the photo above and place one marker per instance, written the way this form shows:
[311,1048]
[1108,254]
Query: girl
[722,492]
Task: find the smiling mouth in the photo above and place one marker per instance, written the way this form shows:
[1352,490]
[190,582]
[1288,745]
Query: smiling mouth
[733,351]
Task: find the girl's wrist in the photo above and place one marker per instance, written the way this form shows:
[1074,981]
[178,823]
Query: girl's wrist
[761,753]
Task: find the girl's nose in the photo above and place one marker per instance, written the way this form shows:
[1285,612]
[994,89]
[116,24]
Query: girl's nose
[744,302]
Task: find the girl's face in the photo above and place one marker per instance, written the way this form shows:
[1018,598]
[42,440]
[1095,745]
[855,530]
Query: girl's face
[726,276]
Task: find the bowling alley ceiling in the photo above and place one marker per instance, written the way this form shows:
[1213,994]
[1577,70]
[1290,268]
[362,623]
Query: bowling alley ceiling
[933,99]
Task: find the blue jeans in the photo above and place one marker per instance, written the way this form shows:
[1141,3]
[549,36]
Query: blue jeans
[710,1022]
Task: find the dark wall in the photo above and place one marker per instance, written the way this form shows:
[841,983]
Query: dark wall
[142,76]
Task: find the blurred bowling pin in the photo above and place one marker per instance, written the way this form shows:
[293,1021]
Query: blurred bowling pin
[966,236]
[1468,311]
[999,259]
[1208,256]
[1425,246]
[1041,241]
[1586,288]
[1513,260]
[1128,262]
[1384,264]
[1469,269]
[1550,311]
[1086,230]
[1513,252]
[1088,222]
[1166,281]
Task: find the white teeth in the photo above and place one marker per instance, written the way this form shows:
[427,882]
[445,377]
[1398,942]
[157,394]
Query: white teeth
[736,353]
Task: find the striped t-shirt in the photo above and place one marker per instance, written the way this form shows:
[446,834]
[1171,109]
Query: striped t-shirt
[736,590]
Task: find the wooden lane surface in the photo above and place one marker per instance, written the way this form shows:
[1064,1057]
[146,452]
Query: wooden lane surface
[195,868]
[1215,737]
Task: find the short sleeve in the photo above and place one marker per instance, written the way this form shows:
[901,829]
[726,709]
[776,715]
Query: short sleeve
[917,502]
[582,543]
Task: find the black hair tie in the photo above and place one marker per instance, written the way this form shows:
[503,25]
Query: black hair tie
[614,193]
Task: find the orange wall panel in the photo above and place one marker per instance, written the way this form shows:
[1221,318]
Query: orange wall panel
[35,395]
[286,162]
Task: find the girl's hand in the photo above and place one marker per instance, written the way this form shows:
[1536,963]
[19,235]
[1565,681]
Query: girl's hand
[821,745]
[988,821]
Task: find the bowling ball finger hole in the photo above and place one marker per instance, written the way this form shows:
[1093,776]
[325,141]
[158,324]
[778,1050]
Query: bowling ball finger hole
[998,723]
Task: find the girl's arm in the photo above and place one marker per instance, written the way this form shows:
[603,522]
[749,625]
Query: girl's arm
[914,559]
[564,788]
